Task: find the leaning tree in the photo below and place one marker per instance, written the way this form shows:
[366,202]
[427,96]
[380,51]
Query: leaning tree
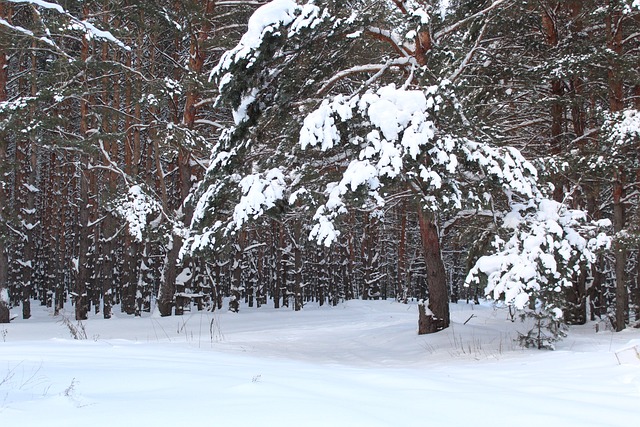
[340,107]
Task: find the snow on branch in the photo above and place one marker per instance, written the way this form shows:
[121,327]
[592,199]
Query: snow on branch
[631,4]
[16,28]
[44,4]
[270,19]
[260,192]
[624,127]
[401,128]
[367,68]
[135,208]
[621,130]
[89,29]
[547,245]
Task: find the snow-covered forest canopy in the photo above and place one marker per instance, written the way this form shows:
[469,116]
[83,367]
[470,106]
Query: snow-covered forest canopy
[190,155]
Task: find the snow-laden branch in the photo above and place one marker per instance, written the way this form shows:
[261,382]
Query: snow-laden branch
[547,245]
[401,129]
[367,68]
[89,29]
[267,20]
[135,208]
[260,192]
[624,127]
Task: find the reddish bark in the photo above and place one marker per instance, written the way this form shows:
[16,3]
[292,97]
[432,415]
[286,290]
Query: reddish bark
[436,318]
[4,261]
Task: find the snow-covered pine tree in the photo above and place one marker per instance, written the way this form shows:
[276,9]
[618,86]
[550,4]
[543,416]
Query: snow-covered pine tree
[547,86]
[341,106]
[539,251]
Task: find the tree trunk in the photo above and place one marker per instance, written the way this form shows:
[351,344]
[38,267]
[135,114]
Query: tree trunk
[4,294]
[4,260]
[401,287]
[371,255]
[275,267]
[167,290]
[620,252]
[613,26]
[557,110]
[285,251]
[84,269]
[576,310]
[236,274]
[297,273]
[434,316]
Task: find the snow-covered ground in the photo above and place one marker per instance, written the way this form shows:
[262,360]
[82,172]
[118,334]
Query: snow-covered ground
[357,364]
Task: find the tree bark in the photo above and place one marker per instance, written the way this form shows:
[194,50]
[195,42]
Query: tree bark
[550,30]
[4,260]
[297,273]
[84,269]
[620,253]
[613,26]
[236,273]
[401,287]
[434,316]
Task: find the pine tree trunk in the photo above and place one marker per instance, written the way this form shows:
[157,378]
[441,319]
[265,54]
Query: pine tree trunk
[166,294]
[401,287]
[613,26]
[371,288]
[275,267]
[620,253]
[4,292]
[109,226]
[83,265]
[236,276]
[435,316]
[297,259]
[4,260]
[557,110]
[284,266]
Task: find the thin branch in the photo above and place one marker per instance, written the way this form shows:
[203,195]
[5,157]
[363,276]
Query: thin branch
[387,36]
[469,56]
[451,28]
[368,68]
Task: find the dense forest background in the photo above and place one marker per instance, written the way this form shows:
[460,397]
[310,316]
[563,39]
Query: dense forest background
[107,108]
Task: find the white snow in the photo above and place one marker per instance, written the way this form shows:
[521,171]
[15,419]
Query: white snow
[265,19]
[259,192]
[545,249]
[90,29]
[134,209]
[357,364]
[443,8]
[240,113]
[41,3]
[401,127]
[184,276]
[15,27]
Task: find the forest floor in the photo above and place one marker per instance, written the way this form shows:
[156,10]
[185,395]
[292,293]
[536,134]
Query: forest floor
[357,364]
